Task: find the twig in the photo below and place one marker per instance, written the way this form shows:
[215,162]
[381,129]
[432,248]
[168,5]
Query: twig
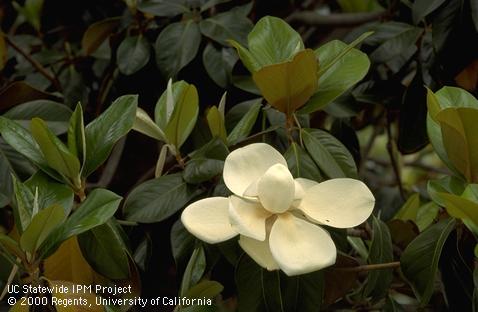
[337,19]
[370,267]
[39,67]
[393,160]
[358,233]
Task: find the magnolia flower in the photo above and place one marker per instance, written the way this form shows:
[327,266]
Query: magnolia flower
[278,217]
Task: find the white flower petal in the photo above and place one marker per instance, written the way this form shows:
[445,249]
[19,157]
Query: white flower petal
[300,247]
[208,220]
[259,251]
[340,203]
[248,218]
[247,164]
[276,189]
[301,186]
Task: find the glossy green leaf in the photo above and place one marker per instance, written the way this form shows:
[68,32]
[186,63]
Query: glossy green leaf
[426,214]
[103,132]
[55,114]
[50,192]
[176,46]
[232,24]
[395,44]
[76,135]
[419,261]
[202,169]
[99,206]
[104,249]
[448,184]
[459,128]
[345,67]
[244,126]
[409,210]
[205,289]
[287,86]
[23,205]
[460,207]
[163,8]
[42,224]
[300,164]
[133,54]
[381,251]
[329,154]
[144,124]
[158,199]
[182,243]
[6,187]
[57,155]
[421,8]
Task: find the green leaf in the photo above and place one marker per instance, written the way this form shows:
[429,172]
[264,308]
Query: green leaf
[182,243]
[103,132]
[194,270]
[183,118]
[50,192]
[145,125]
[273,41]
[6,187]
[219,64]
[23,207]
[42,224]
[163,8]
[244,126]
[232,24]
[419,261]
[329,154]
[215,121]
[55,114]
[104,249]
[426,214]
[448,184]
[133,54]
[97,33]
[459,128]
[214,149]
[380,252]
[396,43]
[99,206]
[76,135]
[176,46]
[158,199]
[422,8]
[409,210]
[55,152]
[460,207]
[345,66]
[205,289]
[300,164]
[22,141]
[202,169]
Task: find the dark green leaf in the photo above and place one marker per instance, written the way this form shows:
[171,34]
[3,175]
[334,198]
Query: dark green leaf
[214,149]
[194,270]
[182,243]
[205,289]
[244,126]
[229,25]
[300,164]
[249,285]
[419,261]
[202,169]
[163,8]
[103,132]
[445,21]
[380,252]
[219,64]
[157,199]
[55,114]
[76,135]
[6,187]
[97,33]
[99,206]
[23,206]
[329,154]
[176,46]
[104,249]
[422,8]
[133,54]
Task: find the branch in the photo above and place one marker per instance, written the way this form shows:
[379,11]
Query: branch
[370,267]
[39,67]
[337,19]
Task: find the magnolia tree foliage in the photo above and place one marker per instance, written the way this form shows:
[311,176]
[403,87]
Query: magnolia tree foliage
[230,152]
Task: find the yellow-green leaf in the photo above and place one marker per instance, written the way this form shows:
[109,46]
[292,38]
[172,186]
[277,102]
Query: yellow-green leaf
[66,300]
[97,33]
[459,129]
[409,210]
[459,207]
[42,224]
[144,124]
[289,85]
[55,152]
[216,124]
[433,104]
